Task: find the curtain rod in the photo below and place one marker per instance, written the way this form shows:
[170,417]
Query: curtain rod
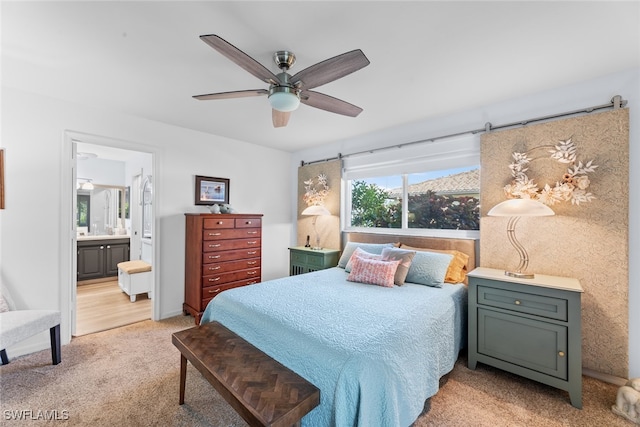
[615,103]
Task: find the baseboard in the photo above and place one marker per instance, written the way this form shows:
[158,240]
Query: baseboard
[604,377]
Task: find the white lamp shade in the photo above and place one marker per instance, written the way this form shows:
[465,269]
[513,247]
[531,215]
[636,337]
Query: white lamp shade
[316,210]
[283,99]
[520,207]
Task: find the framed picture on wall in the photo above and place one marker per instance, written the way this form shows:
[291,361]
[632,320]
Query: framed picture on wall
[211,191]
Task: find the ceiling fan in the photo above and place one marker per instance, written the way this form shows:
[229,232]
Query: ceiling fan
[286,92]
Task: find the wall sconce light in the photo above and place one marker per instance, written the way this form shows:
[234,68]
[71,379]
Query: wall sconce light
[86,185]
[515,209]
[316,211]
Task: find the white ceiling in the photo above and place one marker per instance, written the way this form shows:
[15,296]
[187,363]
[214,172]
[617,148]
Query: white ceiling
[427,58]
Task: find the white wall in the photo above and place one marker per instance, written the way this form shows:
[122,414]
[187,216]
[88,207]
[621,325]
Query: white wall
[33,129]
[580,95]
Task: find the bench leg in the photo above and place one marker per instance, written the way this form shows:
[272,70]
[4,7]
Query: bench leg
[183,377]
[54,333]
[3,356]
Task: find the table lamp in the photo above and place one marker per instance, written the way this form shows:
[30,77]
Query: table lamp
[316,210]
[515,209]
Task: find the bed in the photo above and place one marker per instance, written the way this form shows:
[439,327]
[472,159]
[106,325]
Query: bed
[376,353]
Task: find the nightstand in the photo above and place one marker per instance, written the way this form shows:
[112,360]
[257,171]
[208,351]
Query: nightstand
[529,327]
[304,260]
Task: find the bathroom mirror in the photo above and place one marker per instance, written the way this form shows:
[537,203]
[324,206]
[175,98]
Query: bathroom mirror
[103,209]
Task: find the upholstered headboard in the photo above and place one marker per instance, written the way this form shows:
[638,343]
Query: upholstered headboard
[467,246]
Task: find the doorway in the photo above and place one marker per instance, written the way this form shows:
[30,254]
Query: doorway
[105,231]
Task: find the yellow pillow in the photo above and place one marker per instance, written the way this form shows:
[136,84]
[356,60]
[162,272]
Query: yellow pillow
[457,271]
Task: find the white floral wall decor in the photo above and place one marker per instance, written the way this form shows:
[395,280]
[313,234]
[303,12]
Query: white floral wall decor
[316,190]
[572,186]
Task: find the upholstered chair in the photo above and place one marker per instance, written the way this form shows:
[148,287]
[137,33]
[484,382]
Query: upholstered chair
[18,325]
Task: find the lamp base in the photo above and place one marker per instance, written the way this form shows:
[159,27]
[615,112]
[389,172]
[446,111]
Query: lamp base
[519,275]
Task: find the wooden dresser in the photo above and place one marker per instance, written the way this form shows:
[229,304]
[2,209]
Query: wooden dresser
[222,251]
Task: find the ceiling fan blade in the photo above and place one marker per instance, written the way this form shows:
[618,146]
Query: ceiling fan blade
[329,103]
[236,94]
[279,118]
[330,69]
[240,58]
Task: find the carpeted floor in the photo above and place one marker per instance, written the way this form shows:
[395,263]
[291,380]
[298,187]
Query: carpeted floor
[129,377]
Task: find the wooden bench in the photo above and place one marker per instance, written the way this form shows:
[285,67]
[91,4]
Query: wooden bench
[263,391]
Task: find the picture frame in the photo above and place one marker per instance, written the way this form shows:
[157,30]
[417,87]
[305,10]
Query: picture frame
[211,191]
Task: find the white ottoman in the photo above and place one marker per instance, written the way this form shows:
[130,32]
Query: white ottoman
[134,277]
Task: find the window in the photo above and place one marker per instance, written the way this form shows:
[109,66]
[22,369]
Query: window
[432,187]
[84,211]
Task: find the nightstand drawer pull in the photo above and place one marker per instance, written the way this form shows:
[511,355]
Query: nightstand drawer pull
[561,353]
[518,302]
[214,291]
[214,279]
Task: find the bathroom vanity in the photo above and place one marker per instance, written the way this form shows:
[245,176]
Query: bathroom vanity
[98,256]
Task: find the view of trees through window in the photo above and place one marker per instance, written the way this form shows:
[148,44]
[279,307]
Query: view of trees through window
[447,200]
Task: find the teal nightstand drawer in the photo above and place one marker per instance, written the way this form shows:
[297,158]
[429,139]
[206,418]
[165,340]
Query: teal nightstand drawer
[532,344]
[298,258]
[522,302]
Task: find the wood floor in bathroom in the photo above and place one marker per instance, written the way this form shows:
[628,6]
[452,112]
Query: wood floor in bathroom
[103,306]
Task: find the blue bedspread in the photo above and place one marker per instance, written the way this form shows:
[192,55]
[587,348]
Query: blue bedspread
[375,353]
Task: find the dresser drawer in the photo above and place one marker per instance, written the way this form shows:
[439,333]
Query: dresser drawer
[212,223]
[224,245]
[522,302]
[210,257]
[230,233]
[248,223]
[218,279]
[210,292]
[224,267]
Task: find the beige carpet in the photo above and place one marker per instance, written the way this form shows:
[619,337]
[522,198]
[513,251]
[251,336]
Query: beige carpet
[129,377]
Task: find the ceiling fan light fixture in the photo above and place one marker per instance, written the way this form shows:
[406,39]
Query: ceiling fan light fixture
[284,98]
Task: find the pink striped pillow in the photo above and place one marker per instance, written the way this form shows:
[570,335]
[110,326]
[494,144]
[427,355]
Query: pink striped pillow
[360,253]
[373,271]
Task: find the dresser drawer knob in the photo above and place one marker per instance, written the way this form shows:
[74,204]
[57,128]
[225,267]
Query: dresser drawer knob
[253,282]
[252,272]
[214,291]
[248,222]
[214,246]
[252,252]
[217,267]
[518,302]
[252,262]
[215,234]
[252,232]
[253,242]
[214,256]
[561,353]
[220,222]
[214,279]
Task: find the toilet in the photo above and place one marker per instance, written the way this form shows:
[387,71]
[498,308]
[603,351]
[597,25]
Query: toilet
[135,277]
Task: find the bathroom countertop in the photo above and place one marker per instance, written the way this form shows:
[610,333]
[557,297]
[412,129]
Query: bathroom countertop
[104,237]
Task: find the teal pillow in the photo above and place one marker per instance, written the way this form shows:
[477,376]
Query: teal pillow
[429,268]
[372,248]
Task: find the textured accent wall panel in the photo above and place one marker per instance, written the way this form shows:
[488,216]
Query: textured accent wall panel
[588,241]
[328,226]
